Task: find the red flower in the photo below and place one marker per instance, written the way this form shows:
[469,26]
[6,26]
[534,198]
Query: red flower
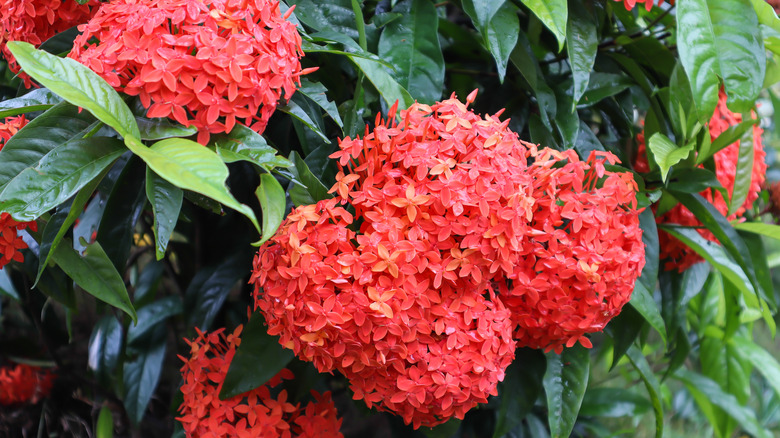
[35,21]
[678,255]
[203,63]
[24,384]
[252,414]
[9,127]
[10,241]
[629,4]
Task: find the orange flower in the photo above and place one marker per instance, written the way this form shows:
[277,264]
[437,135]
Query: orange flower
[24,384]
[251,414]
[677,254]
[9,127]
[629,4]
[203,63]
[10,241]
[35,21]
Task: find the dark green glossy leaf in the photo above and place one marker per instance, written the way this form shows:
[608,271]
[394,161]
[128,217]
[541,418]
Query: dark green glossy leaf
[624,330]
[520,389]
[411,44]
[53,128]
[78,85]
[565,382]
[142,373]
[582,44]
[446,430]
[244,144]
[554,15]
[61,173]
[642,297]
[273,202]
[390,90]
[257,359]
[95,273]
[719,38]
[147,283]
[318,94]
[613,402]
[190,166]
[604,85]
[725,139]
[312,189]
[525,61]
[159,129]
[151,315]
[210,287]
[303,109]
[105,345]
[166,200]
[36,100]
[587,141]
[499,26]
[704,389]
[639,362]
[336,15]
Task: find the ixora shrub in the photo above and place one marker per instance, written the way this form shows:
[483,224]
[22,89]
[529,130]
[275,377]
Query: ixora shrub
[229,218]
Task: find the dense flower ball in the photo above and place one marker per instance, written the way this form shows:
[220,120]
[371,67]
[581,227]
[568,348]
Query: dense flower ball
[204,63]
[678,255]
[24,383]
[629,4]
[586,251]
[35,21]
[252,414]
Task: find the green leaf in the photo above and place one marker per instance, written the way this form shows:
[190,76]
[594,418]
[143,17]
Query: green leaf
[743,176]
[36,100]
[705,389]
[554,14]
[210,287]
[445,430]
[714,254]
[624,330]
[581,46]
[78,85]
[244,144]
[642,297]
[565,382]
[151,315]
[587,141]
[273,202]
[411,44]
[613,402]
[142,374]
[520,389]
[312,190]
[768,230]
[639,362]
[257,359]
[335,14]
[318,94]
[390,90]
[762,360]
[303,109]
[190,166]
[499,26]
[105,423]
[95,273]
[720,38]
[58,176]
[524,59]
[105,346]
[56,126]
[725,139]
[666,154]
[681,107]
[166,200]
[159,129]
[604,85]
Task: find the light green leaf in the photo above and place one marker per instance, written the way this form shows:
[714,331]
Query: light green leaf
[743,176]
[564,384]
[78,85]
[190,166]
[762,360]
[768,230]
[58,176]
[705,389]
[105,423]
[613,402]
[95,273]
[666,154]
[554,14]
[720,38]
[411,44]
[273,202]
[166,200]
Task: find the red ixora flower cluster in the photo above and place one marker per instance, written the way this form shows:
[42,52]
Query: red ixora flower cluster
[24,383]
[629,4]
[678,255]
[458,244]
[10,241]
[203,63]
[254,414]
[35,21]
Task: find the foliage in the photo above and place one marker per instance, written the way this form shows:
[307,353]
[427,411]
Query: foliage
[125,235]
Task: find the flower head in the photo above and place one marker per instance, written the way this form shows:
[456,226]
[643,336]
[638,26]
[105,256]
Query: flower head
[9,127]
[252,414]
[24,383]
[35,21]
[678,255]
[10,241]
[629,4]
[202,63]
